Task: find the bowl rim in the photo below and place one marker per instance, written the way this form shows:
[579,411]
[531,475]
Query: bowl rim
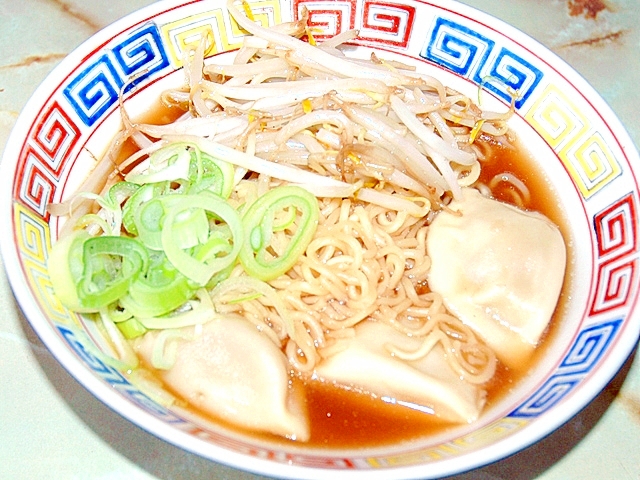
[501,449]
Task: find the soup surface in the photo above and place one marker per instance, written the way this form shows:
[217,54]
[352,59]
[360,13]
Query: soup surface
[344,418]
[339,417]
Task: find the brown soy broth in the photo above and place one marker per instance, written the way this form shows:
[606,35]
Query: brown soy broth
[514,159]
[160,114]
[344,418]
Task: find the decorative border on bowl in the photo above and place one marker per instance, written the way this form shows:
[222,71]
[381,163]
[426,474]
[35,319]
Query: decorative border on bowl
[585,144]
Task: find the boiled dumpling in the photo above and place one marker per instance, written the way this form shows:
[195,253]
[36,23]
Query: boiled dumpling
[499,269]
[232,371]
[428,384]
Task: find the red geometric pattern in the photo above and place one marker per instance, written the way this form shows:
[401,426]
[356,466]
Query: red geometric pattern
[327,22]
[377,21]
[616,228]
[49,144]
[616,279]
[617,241]
[35,185]
[387,22]
[56,135]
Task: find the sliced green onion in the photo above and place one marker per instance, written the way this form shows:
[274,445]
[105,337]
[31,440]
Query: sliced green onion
[287,220]
[110,265]
[91,221]
[210,174]
[131,328]
[257,257]
[65,268]
[198,270]
[142,195]
[196,311]
[220,275]
[121,191]
[117,313]
[184,161]
[160,291]
[118,341]
[148,222]
[165,165]
[191,228]
[109,220]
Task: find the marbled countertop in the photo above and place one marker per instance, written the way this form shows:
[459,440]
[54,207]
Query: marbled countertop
[51,428]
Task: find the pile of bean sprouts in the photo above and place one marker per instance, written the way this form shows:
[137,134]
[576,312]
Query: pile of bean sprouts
[382,146]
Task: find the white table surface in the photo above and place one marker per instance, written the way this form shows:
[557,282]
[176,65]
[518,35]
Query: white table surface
[51,428]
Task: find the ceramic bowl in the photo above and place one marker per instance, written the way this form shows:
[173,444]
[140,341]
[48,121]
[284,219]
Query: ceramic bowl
[577,142]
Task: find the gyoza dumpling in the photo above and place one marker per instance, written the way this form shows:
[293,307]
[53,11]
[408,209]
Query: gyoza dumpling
[499,269]
[428,384]
[233,372]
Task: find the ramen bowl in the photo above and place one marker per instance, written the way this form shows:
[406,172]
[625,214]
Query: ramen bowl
[578,146]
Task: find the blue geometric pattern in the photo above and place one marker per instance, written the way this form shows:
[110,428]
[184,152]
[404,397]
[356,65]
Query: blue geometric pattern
[457,47]
[114,378]
[589,347]
[584,355]
[473,56]
[96,88]
[513,74]
[93,91]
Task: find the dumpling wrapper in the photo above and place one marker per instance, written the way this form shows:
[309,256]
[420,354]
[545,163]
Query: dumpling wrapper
[428,384]
[234,372]
[499,269]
